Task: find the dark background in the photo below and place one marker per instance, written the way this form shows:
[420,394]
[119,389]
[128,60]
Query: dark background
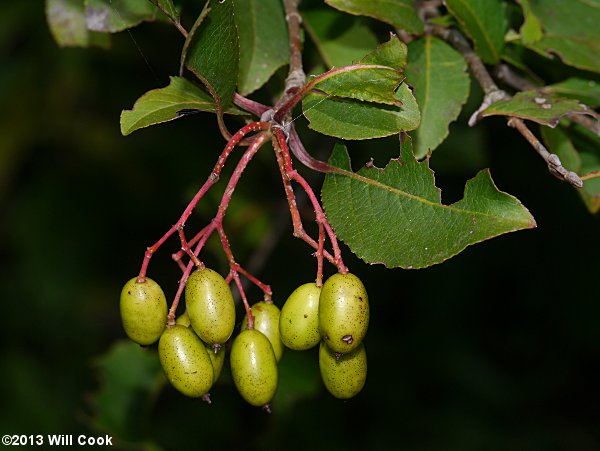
[496,349]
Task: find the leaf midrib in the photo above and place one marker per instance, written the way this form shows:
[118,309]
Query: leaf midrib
[377,184]
[489,43]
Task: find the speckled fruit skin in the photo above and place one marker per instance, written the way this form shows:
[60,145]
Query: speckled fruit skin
[299,320]
[266,320]
[216,358]
[254,367]
[343,312]
[343,378]
[185,361]
[210,306]
[143,311]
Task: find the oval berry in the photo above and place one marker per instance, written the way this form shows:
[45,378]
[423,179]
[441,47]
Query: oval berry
[143,309]
[266,320]
[216,358]
[344,375]
[343,312]
[254,367]
[185,361]
[210,306]
[299,320]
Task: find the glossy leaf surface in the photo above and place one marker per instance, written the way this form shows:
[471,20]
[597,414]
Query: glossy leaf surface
[212,50]
[485,22]
[394,216]
[263,41]
[438,75]
[398,13]
[352,119]
[176,100]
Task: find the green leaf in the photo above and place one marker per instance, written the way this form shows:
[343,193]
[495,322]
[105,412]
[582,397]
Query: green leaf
[168,7]
[213,52]
[531,30]
[165,104]
[340,39]
[543,108]
[263,41]
[369,83]
[446,21]
[581,53]
[570,30]
[394,216]
[352,119]
[400,14]
[393,53]
[130,377]
[190,38]
[112,16]
[438,75]
[485,22]
[66,19]
[586,91]
[578,151]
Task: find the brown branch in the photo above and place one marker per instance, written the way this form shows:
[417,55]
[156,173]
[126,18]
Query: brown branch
[492,94]
[554,165]
[296,77]
[512,79]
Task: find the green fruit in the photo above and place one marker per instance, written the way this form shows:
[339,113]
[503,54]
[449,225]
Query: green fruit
[210,306]
[343,312]
[266,320]
[217,359]
[254,367]
[299,320]
[185,361]
[143,311]
[344,375]
[183,319]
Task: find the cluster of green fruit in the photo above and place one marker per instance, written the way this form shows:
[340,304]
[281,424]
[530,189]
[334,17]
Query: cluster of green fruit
[337,316]
[191,351]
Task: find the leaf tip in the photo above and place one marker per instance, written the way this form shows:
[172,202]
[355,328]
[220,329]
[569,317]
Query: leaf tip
[125,130]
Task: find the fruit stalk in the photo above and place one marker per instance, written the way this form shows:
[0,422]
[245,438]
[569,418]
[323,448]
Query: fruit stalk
[186,249]
[217,224]
[263,286]
[177,256]
[292,174]
[299,231]
[319,280]
[212,179]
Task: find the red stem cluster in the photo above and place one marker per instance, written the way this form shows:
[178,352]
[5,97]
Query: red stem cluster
[192,248]
[268,128]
